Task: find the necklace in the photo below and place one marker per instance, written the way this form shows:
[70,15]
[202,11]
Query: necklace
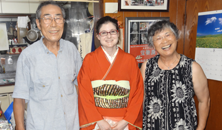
[170,64]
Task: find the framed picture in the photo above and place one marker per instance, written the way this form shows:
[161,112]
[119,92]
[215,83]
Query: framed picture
[143,5]
[136,32]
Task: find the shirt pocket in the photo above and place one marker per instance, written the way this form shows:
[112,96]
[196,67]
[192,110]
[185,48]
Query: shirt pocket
[70,86]
[43,90]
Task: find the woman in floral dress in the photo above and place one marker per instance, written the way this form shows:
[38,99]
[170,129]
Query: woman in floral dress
[170,81]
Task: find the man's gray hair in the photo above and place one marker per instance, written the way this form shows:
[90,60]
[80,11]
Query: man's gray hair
[38,11]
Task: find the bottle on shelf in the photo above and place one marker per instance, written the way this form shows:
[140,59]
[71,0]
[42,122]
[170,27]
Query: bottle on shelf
[10,61]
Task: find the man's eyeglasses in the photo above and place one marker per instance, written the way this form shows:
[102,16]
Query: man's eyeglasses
[104,33]
[48,20]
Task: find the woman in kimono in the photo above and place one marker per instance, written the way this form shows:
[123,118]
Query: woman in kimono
[110,84]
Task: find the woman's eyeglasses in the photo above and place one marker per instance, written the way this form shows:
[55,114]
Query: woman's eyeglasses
[104,33]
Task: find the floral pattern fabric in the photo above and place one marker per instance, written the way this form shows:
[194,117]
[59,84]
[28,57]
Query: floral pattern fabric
[168,102]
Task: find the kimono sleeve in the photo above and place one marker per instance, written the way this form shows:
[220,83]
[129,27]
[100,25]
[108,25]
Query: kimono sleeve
[88,113]
[135,103]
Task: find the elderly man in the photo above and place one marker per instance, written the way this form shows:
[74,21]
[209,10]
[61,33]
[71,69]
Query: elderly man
[46,76]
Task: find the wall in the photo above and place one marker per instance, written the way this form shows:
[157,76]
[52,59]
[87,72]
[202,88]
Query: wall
[175,13]
[215,87]
[184,13]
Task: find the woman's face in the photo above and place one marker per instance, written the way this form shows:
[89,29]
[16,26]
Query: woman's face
[165,42]
[108,41]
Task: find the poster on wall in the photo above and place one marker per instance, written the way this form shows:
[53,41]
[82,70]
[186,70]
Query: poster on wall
[209,44]
[136,32]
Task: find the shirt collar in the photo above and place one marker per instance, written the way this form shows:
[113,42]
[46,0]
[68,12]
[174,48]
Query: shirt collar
[47,50]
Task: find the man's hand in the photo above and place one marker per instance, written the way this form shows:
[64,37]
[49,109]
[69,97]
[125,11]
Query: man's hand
[120,125]
[19,128]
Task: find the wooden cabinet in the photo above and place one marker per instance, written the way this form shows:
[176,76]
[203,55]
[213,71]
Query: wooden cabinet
[19,6]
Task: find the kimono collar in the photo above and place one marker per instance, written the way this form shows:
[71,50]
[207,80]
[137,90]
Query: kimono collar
[110,58]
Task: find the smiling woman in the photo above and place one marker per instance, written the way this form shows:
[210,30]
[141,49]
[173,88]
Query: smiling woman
[108,37]
[171,80]
[116,81]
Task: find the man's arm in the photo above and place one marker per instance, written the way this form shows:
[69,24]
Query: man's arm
[202,92]
[19,107]
[78,62]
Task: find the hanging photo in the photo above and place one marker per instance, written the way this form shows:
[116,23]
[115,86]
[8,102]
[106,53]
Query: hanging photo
[144,5]
[136,32]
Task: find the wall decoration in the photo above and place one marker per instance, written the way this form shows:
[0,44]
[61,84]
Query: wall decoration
[208,44]
[143,5]
[136,32]
[111,7]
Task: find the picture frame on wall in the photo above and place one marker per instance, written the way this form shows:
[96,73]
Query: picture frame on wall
[136,32]
[143,5]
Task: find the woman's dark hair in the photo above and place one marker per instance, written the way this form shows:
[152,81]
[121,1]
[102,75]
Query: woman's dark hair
[158,27]
[38,11]
[104,20]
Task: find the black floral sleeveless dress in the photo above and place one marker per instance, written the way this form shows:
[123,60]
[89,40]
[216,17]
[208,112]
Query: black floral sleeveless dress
[168,101]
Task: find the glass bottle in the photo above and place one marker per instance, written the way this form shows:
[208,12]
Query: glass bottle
[10,61]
